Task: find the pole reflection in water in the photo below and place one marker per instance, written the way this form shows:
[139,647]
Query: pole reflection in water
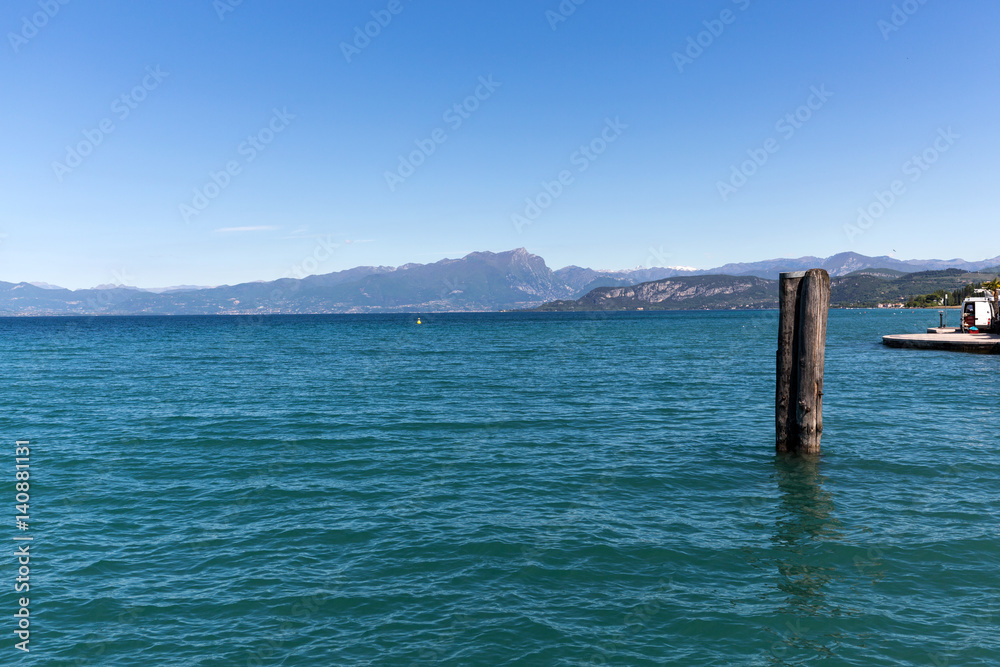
[801,546]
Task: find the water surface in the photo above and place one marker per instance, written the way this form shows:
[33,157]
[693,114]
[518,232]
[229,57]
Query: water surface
[498,489]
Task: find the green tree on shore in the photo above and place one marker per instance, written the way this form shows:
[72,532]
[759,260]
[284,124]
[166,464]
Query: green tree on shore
[994,286]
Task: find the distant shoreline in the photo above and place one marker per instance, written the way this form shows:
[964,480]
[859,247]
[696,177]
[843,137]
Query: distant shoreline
[424,313]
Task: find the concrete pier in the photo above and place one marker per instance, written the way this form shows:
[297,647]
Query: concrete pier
[947,340]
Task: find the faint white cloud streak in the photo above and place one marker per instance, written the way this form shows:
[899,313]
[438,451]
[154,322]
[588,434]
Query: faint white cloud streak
[237,230]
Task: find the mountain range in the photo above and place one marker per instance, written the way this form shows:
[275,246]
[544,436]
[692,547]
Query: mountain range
[865,288]
[481,281]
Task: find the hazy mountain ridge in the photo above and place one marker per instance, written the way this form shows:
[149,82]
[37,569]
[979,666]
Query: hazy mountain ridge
[720,292]
[583,280]
[487,281]
[844,263]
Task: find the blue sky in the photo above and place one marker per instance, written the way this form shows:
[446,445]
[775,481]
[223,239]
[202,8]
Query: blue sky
[209,142]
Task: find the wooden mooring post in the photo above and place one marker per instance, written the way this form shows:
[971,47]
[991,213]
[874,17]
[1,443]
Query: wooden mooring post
[804,300]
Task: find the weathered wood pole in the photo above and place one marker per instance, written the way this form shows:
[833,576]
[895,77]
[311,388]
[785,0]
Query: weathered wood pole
[804,300]
[786,393]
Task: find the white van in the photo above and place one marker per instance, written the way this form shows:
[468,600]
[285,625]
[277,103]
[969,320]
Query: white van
[977,311]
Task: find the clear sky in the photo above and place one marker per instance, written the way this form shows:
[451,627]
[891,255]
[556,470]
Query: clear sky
[208,142]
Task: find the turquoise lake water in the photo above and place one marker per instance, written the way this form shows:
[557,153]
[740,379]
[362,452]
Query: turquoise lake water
[496,489]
